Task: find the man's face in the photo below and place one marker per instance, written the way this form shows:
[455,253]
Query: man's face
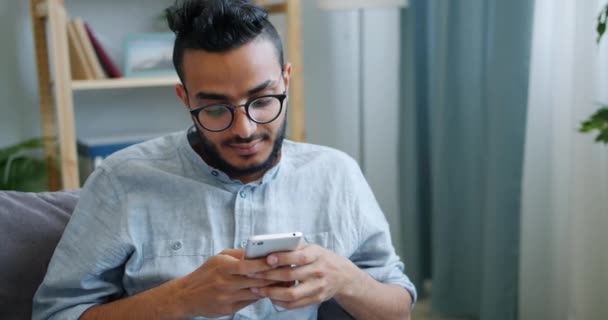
[246,149]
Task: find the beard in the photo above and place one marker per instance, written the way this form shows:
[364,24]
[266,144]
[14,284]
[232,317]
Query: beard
[212,156]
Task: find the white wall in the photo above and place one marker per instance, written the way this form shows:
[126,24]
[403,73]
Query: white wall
[18,87]
[351,61]
[350,81]
[381,93]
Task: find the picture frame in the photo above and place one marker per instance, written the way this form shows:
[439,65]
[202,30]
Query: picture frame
[149,55]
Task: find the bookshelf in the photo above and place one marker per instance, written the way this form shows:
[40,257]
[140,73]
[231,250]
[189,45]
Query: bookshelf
[123,83]
[56,86]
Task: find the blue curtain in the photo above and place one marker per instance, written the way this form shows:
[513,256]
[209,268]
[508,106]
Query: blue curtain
[465,77]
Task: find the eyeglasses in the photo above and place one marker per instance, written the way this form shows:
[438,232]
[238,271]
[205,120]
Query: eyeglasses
[219,117]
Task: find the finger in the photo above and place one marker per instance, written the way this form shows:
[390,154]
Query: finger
[242,295]
[306,254]
[242,282]
[301,291]
[247,267]
[235,253]
[289,273]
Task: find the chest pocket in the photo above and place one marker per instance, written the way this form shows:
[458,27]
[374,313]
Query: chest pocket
[321,239]
[165,260]
[200,247]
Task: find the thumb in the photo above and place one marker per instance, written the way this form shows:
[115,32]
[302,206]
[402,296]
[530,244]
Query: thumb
[235,253]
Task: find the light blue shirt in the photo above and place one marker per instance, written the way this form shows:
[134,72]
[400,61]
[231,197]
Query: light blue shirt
[156,211]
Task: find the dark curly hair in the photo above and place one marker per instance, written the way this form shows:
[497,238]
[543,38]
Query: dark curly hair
[218,26]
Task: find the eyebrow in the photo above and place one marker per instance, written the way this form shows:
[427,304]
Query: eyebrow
[218,96]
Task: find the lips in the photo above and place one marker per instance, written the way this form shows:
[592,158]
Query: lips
[246,149]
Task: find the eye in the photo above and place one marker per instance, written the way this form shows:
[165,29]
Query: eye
[215,111]
[262,102]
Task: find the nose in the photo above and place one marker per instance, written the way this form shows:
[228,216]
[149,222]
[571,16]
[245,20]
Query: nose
[242,126]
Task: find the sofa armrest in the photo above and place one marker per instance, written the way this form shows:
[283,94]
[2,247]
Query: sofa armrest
[31,224]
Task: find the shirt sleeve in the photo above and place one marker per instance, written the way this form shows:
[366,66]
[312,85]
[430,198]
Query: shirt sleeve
[86,267]
[375,253]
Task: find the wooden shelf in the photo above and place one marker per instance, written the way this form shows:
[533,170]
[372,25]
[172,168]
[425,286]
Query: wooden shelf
[121,83]
[56,87]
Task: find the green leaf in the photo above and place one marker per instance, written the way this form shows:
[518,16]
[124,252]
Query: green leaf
[22,167]
[25,174]
[601,23]
[31,144]
[601,28]
[602,137]
[602,114]
[598,121]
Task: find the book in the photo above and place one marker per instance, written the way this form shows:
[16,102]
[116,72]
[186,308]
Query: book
[93,150]
[78,65]
[105,146]
[89,51]
[109,66]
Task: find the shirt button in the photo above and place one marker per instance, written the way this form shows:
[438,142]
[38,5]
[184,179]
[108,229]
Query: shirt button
[215,173]
[243,243]
[243,194]
[176,246]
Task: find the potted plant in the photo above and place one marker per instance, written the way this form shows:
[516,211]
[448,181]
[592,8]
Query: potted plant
[22,167]
[599,120]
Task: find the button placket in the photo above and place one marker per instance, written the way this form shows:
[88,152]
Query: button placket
[242,215]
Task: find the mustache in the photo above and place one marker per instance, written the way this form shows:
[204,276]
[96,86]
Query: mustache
[235,140]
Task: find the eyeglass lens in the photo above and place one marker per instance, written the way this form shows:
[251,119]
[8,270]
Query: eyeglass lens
[219,116]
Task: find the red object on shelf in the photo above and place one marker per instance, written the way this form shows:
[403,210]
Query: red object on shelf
[109,66]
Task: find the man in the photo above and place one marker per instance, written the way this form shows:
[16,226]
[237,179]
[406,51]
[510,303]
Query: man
[143,241]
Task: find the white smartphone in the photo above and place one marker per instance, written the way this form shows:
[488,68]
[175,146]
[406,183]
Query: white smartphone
[262,245]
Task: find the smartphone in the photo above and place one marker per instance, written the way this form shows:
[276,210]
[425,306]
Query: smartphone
[262,245]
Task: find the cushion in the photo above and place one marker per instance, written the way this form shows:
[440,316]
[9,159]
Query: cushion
[31,224]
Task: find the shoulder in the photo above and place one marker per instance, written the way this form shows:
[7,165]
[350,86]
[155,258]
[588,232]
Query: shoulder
[300,155]
[158,149]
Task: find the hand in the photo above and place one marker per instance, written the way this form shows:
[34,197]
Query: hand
[221,285]
[321,274]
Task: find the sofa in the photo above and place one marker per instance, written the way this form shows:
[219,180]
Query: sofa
[31,225]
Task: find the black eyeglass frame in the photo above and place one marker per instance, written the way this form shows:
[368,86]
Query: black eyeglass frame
[281,97]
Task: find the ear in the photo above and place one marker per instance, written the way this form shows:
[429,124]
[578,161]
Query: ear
[287,75]
[181,93]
